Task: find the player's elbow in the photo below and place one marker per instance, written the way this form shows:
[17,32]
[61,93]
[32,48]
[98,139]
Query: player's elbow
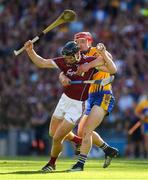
[40,65]
[114,70]
[45,64]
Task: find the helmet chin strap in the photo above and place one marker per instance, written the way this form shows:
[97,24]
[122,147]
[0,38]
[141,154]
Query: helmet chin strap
[77,57]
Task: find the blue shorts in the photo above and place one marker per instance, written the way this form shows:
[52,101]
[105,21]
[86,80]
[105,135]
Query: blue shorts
[145,125]
[104,99]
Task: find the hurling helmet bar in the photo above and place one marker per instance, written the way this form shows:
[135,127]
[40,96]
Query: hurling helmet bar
[85,35]
[70,49]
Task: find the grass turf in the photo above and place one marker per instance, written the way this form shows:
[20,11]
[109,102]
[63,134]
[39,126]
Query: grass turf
[27,168]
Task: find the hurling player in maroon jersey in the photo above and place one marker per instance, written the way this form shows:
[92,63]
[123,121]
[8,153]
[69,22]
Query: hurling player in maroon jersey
[85,40]
[70,106]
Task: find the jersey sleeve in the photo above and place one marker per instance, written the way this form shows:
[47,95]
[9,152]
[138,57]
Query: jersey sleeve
[58,62]
[139,107]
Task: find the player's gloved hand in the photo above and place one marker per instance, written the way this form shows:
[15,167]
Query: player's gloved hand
[28,46]
[64,80]
[82,69]
[101,47]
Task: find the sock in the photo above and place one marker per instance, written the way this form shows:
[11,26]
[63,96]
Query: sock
[77,139]
[52,160]
[104,147]
[81,160]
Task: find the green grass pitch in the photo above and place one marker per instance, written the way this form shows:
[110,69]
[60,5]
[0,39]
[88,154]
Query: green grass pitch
[27,168]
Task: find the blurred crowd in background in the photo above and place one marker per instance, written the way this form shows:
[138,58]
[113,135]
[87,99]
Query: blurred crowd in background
[28,94]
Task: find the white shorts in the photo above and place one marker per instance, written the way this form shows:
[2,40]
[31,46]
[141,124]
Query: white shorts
[69,109]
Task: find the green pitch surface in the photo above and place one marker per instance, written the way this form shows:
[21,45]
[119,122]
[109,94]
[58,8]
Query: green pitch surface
[27,168]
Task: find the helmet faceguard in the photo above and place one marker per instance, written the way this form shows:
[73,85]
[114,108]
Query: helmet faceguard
[70,49]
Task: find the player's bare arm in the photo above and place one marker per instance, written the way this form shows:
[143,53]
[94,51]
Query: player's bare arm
[99,61]
[36,59]
[109,66]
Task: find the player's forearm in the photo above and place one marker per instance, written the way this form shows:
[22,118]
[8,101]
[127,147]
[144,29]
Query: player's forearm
[109,62]
[36,59]
[96,63]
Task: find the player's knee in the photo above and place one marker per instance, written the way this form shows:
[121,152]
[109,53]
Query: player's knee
[57,139]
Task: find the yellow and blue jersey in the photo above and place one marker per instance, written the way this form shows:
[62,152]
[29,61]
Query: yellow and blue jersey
[99,95]
[99,75]
[142,108]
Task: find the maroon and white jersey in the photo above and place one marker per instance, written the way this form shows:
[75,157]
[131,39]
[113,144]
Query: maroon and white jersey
[76,91]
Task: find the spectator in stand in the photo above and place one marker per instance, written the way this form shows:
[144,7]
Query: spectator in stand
[39,122]
[142,113]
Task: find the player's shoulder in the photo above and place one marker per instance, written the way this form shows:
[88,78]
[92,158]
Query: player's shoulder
[144,102]
[93,52]
[58,59]
[93,49]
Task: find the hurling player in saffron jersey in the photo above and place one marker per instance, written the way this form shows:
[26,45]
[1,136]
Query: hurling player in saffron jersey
[69,108]
[99,104]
